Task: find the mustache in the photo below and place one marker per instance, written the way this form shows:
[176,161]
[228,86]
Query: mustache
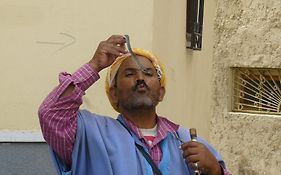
[140,82]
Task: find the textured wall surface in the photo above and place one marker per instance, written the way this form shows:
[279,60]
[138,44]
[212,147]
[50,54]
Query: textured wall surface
[248,34]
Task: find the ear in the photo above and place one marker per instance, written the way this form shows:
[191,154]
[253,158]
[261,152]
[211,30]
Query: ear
[113,95]
[162,92]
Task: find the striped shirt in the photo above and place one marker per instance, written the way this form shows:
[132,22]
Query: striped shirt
[164,126]
[58,116]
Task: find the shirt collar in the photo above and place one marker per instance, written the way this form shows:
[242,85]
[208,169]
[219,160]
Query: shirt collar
[164,126]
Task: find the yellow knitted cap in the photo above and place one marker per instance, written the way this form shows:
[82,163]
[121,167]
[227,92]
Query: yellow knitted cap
[113,69]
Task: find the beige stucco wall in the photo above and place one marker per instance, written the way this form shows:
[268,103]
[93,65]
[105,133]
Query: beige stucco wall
[29,69]
[188,100]
[41,38]
[247,34]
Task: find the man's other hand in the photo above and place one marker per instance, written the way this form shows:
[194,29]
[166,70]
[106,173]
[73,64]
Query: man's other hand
[197,153]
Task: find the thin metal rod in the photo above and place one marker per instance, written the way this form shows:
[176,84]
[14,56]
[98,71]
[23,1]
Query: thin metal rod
[257,84]
[134,57]
[258,107]
[261,99]
[266,86]
[276,86]
[259,87]
[261,92]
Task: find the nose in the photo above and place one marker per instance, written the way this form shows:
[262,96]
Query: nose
[140,75]
[139,82]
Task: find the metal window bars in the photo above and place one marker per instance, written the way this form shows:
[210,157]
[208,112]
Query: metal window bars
[257,90]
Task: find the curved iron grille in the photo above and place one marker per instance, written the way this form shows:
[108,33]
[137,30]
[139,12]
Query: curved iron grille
[257,90]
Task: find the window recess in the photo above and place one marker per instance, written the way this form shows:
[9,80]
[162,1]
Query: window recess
[257,90]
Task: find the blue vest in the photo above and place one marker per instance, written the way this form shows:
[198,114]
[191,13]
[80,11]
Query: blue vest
[104,147]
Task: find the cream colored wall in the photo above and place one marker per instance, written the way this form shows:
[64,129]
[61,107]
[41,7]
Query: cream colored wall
[41,38]
[188,98]
[29,69]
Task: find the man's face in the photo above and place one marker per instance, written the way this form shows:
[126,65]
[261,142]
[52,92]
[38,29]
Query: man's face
[137,90]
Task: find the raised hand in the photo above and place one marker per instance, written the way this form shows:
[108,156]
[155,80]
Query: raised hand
[108,51]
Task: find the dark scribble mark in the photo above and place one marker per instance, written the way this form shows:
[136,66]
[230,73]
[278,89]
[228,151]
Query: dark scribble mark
[46,42]
[66,45]
[63,44]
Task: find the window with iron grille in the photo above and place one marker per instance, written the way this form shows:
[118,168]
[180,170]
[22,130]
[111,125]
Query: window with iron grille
[257,90]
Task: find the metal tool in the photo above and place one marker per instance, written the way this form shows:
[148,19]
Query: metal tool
[134,57]
[193,136]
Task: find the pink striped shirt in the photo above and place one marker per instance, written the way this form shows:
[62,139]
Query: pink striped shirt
[58,116]
[164,126]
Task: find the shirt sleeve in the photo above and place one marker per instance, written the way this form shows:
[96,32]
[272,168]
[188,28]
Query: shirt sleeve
[225,172]
[223,168]
[216,154]
[58,115]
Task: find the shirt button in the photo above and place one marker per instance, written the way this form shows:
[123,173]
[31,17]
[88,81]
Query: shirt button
[149,142]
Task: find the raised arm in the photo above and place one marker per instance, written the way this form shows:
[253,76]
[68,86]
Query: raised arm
[58,112]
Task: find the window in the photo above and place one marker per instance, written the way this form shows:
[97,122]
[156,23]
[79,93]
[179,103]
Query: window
[257,90]
[194,24]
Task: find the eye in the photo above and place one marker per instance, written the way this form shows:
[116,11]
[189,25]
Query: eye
[149,73]
[129,73]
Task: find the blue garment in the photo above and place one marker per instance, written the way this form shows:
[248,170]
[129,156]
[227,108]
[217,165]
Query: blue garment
[104,147]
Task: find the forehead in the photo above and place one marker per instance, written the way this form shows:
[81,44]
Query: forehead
[130,63]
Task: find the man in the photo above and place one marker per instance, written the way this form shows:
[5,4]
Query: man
[84,143]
